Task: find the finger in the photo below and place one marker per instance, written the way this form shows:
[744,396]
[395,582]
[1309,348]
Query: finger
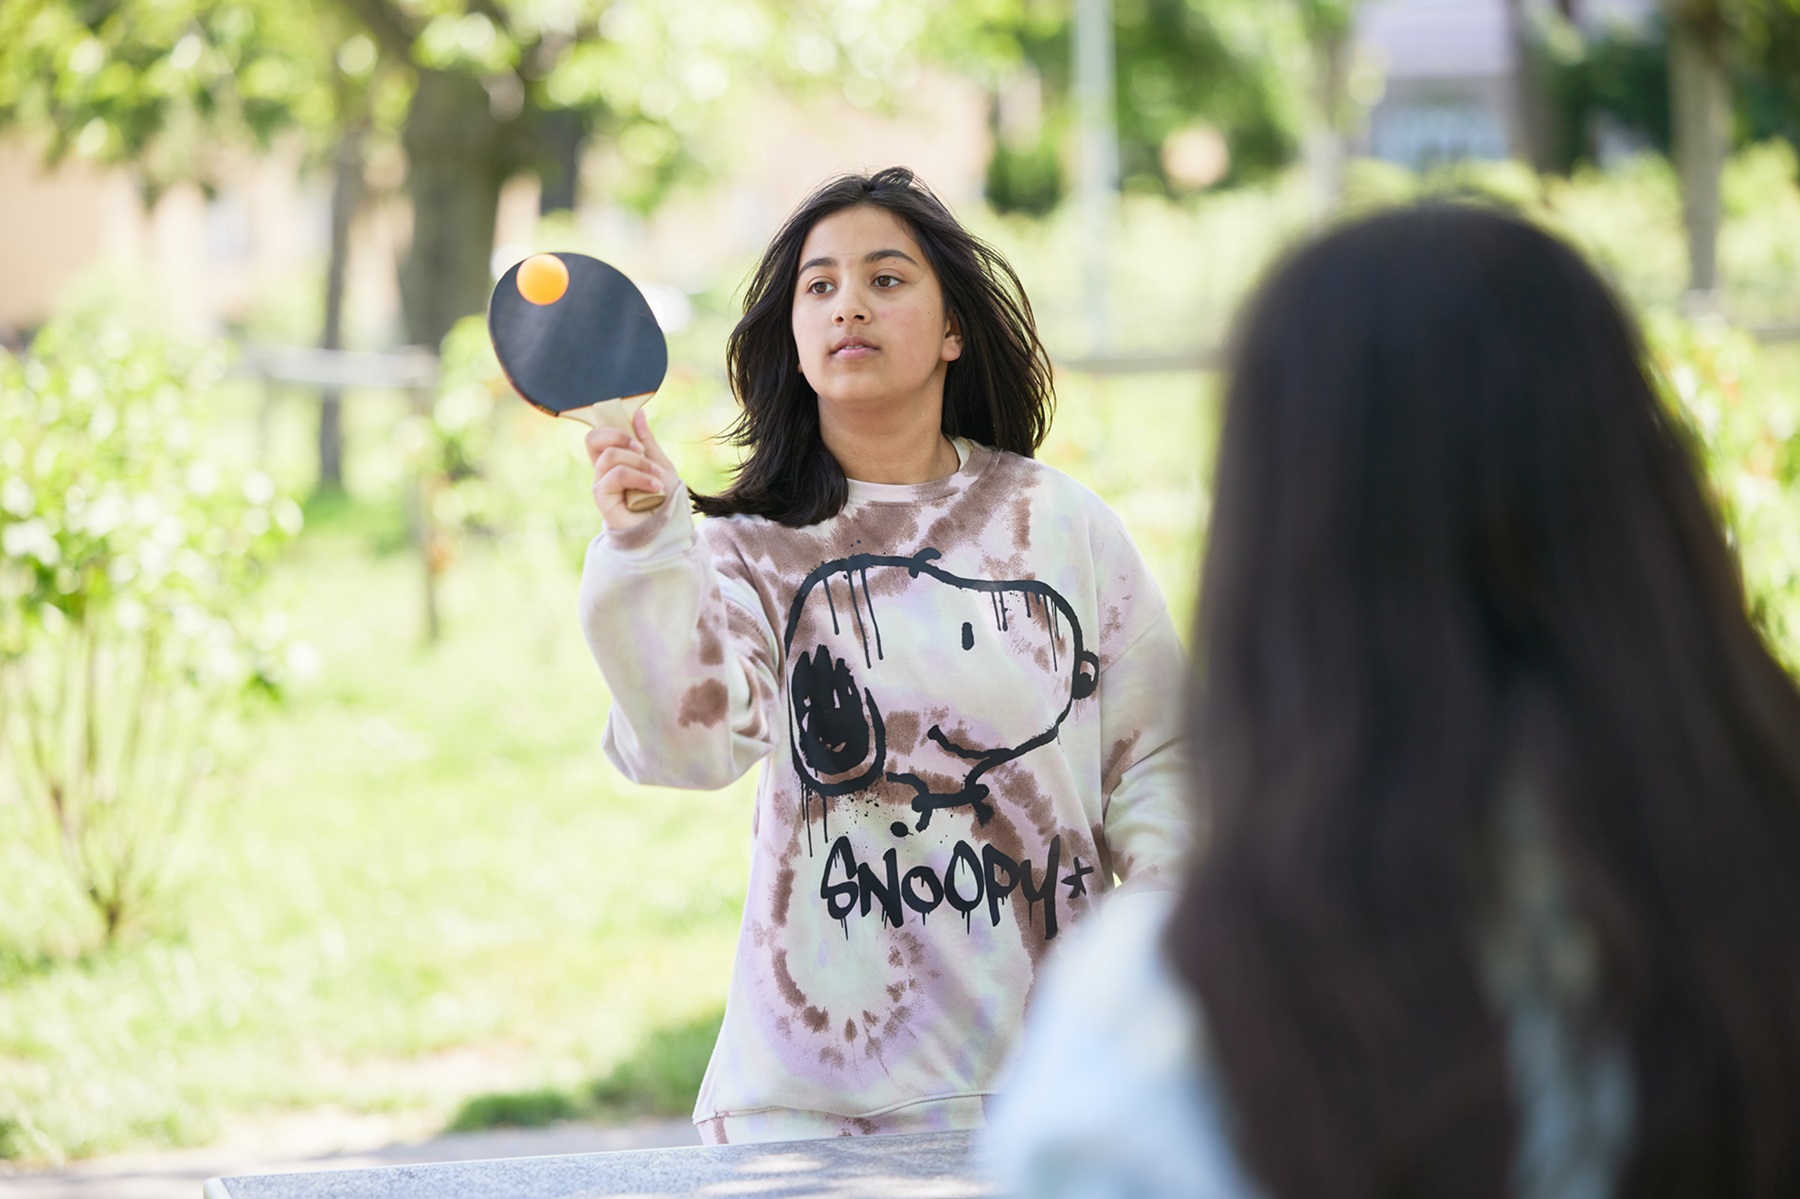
[621,479]
[598,440]
[622,456]
[641,425]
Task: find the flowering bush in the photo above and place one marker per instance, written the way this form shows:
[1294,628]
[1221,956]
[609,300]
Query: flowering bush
[129,561]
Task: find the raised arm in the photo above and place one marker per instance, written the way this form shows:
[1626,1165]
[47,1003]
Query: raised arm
[686,651]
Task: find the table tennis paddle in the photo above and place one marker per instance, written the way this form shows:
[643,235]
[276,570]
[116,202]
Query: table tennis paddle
[577,339]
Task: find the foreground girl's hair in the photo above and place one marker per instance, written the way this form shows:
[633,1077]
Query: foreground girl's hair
[1461,562]
[998,393]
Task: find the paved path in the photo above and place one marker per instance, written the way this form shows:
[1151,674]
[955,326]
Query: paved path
[351,1144]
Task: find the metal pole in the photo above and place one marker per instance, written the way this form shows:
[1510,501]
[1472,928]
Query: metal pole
[1099,183]
[1700,104]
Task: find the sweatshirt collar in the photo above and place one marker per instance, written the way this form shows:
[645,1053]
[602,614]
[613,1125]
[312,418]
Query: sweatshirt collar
[971,461]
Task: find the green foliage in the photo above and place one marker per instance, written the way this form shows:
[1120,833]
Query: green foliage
[429,883]
[1619,76]
[1746,425]
[1327,18]
[1759,247]
[1180,268]
[129,567]
[1178,64]
[661,1077]
[494,468]
[1628,219]
[13,1141]
[1180,61]
[1177,268]
[167,85]
[473,91]
[480,479]
[515,1109]
[452,439]
[1025,179]
[1768,83]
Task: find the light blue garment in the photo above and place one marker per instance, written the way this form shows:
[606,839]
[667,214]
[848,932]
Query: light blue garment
[1542,969]
[1112,1096]
[1108,1099]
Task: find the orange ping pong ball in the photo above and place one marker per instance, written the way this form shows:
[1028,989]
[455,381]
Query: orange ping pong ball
[543,278]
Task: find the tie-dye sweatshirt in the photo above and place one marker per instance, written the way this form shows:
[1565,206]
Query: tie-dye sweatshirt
[965,694]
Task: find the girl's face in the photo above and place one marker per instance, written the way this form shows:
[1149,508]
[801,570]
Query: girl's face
[869,318]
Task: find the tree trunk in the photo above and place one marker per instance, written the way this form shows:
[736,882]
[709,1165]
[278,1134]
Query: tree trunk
[458,155]
[561,135]
[346,190]
[1700,103]
[1533,141]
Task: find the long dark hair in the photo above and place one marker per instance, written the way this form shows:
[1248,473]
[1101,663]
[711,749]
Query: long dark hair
[1460,549]
[997,393]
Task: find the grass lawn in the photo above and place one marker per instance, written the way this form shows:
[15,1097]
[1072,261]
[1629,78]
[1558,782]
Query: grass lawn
[420,852]
[417,883]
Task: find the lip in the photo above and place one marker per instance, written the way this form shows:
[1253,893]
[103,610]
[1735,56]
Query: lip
[853,347]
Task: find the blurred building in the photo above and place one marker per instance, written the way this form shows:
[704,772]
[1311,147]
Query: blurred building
[203,262]
[1447,72]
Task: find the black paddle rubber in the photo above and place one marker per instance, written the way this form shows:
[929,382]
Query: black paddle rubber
[597,341]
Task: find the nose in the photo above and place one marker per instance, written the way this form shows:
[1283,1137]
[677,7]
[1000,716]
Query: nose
[850,307]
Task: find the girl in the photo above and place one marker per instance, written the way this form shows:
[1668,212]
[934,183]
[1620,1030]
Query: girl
[1502,889]
[951,657]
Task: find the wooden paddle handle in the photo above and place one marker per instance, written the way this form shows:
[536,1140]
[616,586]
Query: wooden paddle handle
[617,414]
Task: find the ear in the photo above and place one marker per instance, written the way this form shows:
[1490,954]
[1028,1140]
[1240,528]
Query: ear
[953,339]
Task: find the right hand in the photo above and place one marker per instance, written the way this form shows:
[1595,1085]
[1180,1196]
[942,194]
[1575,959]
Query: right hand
[628,461]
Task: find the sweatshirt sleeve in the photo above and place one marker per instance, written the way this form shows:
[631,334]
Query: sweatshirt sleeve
[685,650]
[1144,783]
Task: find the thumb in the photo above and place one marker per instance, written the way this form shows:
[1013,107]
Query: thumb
[640,425]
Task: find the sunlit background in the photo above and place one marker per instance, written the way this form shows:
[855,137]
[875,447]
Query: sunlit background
[302,810]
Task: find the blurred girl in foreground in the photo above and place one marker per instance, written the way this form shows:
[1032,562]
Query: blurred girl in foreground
[1502,888]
